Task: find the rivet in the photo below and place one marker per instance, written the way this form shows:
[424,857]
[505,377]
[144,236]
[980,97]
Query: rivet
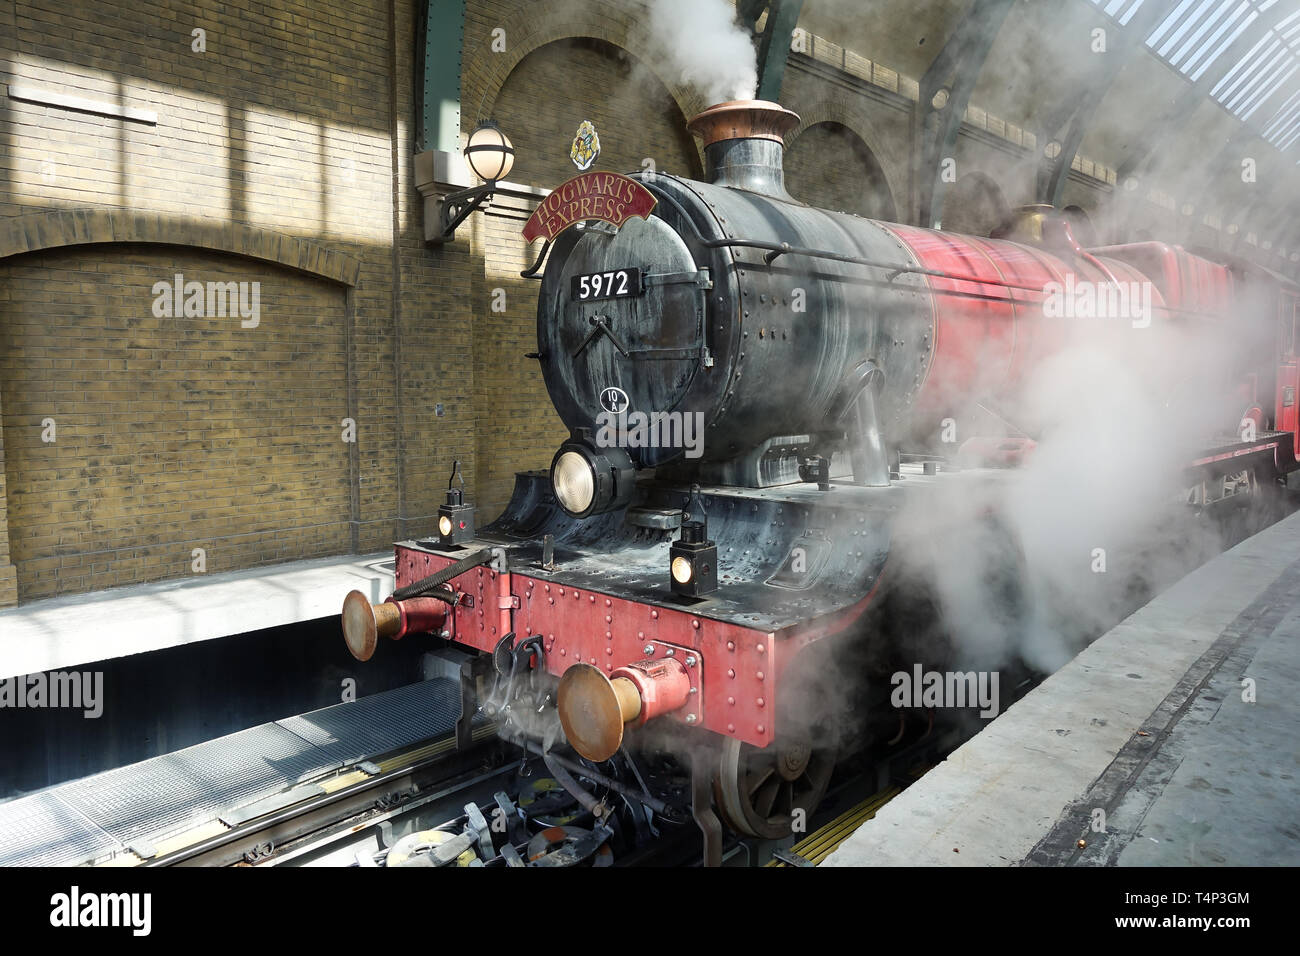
[609,650]
[731,701]
[561,592]
[608,602]
[550,600]
[654,614]
[608,618]
[731,673]
[760,702]
[731,728]
[760,648]
[691,718]
[731,645]
[762,729]
[564,652]
[609,635]
[548,589]
[695,624]
[648,649]
[760,675]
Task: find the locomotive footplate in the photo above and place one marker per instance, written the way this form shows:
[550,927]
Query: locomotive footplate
[795,564]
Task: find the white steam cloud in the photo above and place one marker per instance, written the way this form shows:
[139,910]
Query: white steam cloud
[1096,521]
[700,42]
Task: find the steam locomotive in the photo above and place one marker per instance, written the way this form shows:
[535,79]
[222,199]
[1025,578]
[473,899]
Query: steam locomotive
[754,388]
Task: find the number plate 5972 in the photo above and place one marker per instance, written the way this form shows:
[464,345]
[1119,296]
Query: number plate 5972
[607,285]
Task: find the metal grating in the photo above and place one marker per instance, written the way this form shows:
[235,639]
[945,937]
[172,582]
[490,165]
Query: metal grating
[142,803]
[41,830]
[383,722]
[168,793]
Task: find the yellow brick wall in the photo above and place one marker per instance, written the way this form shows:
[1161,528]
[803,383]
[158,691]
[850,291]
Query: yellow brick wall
[169,433]
[286,125]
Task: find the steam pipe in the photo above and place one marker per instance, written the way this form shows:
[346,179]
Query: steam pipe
[575,789]
[775,249]
[565,779]
[654,803]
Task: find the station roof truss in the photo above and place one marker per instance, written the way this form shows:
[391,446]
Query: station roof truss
[1243,54]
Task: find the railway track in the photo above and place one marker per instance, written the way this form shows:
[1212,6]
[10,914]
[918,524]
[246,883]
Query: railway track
[493,805]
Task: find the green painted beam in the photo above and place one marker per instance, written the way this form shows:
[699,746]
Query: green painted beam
[439,63]
[956,68]
[773,42]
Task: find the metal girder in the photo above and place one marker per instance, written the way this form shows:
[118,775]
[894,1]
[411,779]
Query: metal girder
[1197,92]
[773,42]
[1068,121]
[442,29]
[956,69]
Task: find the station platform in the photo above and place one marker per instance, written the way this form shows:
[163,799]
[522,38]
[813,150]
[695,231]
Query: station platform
[67,632]
[138,812]
[1147,746]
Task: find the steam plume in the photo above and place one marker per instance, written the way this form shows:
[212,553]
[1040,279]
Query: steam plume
[700,41]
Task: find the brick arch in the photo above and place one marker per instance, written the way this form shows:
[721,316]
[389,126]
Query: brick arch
[836,110]
[529,30]
[824,189]
[74,227]
[975,204]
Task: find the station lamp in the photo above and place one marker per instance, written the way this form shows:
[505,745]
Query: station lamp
[693,558]
[456,517]
[490,156]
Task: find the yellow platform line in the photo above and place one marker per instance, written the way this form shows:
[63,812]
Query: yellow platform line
[820,844]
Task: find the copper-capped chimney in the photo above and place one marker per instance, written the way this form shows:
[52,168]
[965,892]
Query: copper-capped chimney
[744,145]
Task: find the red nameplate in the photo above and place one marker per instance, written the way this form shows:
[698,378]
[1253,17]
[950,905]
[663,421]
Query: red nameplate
[594,195]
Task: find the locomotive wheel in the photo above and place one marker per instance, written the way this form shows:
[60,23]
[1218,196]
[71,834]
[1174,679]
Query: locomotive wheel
[758,790]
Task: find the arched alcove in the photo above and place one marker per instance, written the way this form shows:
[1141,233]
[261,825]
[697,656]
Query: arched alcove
[974,205]
[828,165]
